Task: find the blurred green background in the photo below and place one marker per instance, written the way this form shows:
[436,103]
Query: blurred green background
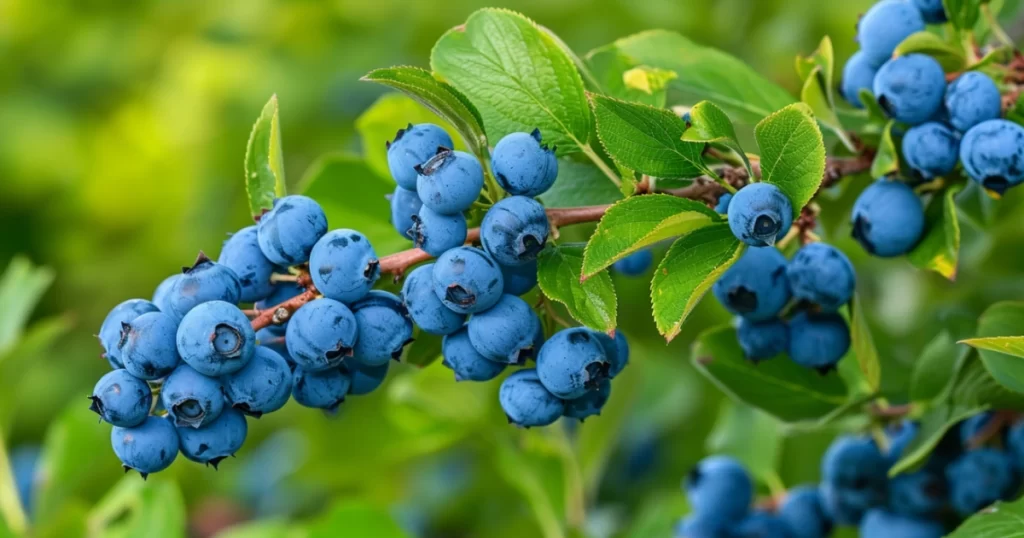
[122,131]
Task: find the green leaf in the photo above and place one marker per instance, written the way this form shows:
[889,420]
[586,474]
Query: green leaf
[525,470]
[646,139]
[931,428]
[140,508]
[264,161]
[963,14]
[997,55]
[1003,319]
[887,160]
[262,528]
[1001,520]
[580,184]
[778,386]
[939,250]
[441,98]
[737,424]
[424,350]
[355,519]
[640,221]
[619,77]
[1007,345]
[518,76]
[950,56]
[792,153]
[817,72]
[874,110]
[708,123]
[976,386]
[21,287]
[691,266]
[591,302]
[864,346]
[936,368]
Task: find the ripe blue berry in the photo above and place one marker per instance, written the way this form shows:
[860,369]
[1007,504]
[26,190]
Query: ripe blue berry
[527,402]
[272,337]
[979,478]
[636,264]
[364,379]
[760,524]
[972,428]
[162,293]
[321,334]
[761,340]
[572,362]
[468,364]
[884,524]
[847,506]
[697,526]
[910,88]
[262,386]
[405,204]
[823,275]
[216,338]
[425,308]
[900,434]
[436,233]
[203,282]
[616,350]
[147,448]
[215,441]
[110,330]
[855,473]
[818,340]
[515,230]
[931,149]
[147,345]
[858,73]
[719,489]
[503,331]
[121,399]
[802,510]
[885,25]
[467,280]
[918,494]
[723,203]
[1015,443]
[288,232]
[384,328]
[241,253]
[931,10]
[450,182]
[192,399]
[971,99]
[992,153]
[888,219]
[759,214]
[344,266]
[589,404]
[413,146]
[321,390]
[756,286]
[519,279]
[522,165]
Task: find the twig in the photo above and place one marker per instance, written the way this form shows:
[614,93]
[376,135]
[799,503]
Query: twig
[992,428]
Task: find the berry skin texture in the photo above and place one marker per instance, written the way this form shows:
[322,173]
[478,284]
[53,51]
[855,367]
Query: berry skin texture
[162,293]
[468,364]
[854,478]
[760,524]
[823,275]
[756,286]
[979,478]
[522,165]
[215,441]
[424,306]
[847,506]
[589,404]
[526,402]
[384,328]
[321,334]
[884,524]
[288,232]
[519,279]
[919,494]
[413,146]
[571,363]
[636,264]
[695,526]
[467,280]
[241,253]
[803,512]
[216,338]
[203,282]
[992,153]
[320,390]
[364,379]
[147,448]
[762,340]
[719,489]
[616,350]
[110,330]
[344,266]
[503,331]
[931,149]
[818,340]
[885,25]
[971,99]
[910,88]
[723,203]
[888,219]
[263,386]
[121,399]
[192,399]
[436,233]
[858,73]
[450,182]
[147,345]
[760,214]
[515,230]
[931,10]
[405,205]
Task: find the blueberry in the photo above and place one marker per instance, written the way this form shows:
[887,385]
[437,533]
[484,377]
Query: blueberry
[321,334]
[856,473]
[1015,444]
[501,332]
[344,266]
[885,26]
[262,386]
[616,350]
[192,399]
[162,293]
[241,253]
[522,165]
[425,308]
[215,441]
[823,275]
[405,204]
[413,146]
[762,340]
[760,214]
[527,402]
[918,494]
[818,340]
[696,526]
[900,434]
[384,328]
[519,279]
[147,448]
[435,233]
[282,292]
[931,150]
[467,280]
[888,219]
[321,390]
[110,330]
[971,99]
[147,345]
[760,524]
[884,524]
[636,264]
[992,153]
[973,427]
[272,337]
[723,203]
[364,379]
[468,364]
[910,88]
[847,506]
[27,478]
[589,404]
[719,488]
[203,282]
[450,182]
[572,362]
[803,512]
[121,399]
[858,74]
[288,232]
[755,287]
[534,350]
[979,478]
[216,338]
[931,10]
[515,230]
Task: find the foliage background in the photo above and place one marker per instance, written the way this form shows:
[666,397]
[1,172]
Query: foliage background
[123,130]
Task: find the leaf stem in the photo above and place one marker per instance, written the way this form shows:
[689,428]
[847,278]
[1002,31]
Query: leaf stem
[599,162]
[994,26]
